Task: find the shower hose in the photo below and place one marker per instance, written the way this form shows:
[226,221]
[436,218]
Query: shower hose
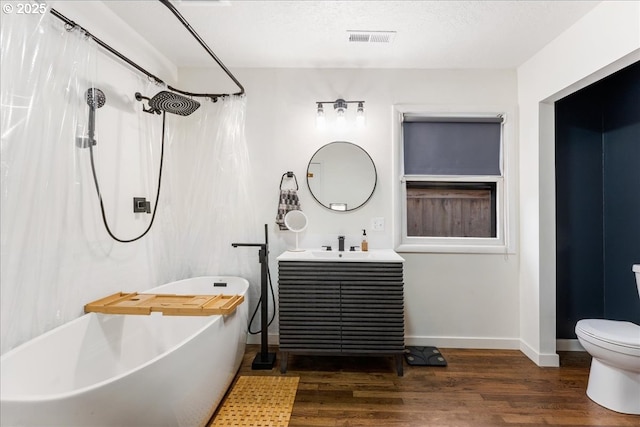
[155,206]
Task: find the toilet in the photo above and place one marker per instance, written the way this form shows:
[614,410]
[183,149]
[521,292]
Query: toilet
[614,379]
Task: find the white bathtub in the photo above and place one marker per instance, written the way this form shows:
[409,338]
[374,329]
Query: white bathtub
[128,370]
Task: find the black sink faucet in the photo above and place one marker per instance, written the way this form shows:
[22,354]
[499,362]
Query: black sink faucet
[341,243]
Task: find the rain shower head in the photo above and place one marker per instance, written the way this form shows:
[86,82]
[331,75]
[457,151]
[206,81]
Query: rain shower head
[95,98]
[173,103]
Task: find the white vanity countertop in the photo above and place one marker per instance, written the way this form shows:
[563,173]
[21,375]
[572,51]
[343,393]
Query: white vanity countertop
[373,255]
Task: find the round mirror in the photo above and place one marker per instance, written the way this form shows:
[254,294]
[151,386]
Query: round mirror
[341,176]
[296,221]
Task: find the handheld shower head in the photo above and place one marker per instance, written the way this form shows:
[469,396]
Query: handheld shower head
[95,98]
[173,103]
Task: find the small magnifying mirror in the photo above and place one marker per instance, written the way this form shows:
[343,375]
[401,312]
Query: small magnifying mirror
[297,222]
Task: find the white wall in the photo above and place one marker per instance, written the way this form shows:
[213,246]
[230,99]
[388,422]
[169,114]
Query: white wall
[603,41]
[455,300]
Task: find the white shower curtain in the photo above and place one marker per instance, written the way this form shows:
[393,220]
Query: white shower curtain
[206,201]
[55,253]
[42,105]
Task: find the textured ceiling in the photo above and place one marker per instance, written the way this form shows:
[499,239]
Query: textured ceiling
[429,34]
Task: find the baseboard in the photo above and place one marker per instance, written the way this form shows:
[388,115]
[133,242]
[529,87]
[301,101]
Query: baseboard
[569,345]
[540,359]
[551,360]
[464,342]
[444,342]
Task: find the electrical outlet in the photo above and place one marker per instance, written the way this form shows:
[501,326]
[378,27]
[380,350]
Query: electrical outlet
[377,224]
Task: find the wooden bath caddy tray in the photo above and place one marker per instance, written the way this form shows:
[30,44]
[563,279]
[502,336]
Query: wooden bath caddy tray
[169,304]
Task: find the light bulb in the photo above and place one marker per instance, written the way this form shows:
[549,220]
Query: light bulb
[360,115]
[320,121]
[340,106]
[341,119]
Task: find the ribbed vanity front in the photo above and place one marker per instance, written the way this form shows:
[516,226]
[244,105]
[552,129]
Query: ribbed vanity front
[341,308]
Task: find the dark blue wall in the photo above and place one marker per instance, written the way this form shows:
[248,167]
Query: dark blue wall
[598,201]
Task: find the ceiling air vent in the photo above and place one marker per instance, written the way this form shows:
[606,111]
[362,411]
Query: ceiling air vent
[371,36]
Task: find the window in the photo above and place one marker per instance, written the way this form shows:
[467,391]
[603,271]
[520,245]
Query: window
[452,191]
[445,209]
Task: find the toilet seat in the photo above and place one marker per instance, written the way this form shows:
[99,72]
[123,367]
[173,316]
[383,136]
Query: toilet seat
[620,336]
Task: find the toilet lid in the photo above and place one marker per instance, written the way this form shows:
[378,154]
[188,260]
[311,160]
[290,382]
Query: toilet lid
[625,334]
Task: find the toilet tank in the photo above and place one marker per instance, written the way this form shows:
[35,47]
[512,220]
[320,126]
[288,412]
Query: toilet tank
[636,270]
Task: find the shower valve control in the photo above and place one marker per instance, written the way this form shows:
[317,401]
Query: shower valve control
[141,205]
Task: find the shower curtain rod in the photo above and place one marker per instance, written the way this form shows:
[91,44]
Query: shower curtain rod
[186,24]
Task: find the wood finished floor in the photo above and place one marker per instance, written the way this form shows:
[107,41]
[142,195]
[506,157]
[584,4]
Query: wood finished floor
[477,388]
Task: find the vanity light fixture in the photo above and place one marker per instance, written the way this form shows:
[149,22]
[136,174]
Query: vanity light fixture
[340,107]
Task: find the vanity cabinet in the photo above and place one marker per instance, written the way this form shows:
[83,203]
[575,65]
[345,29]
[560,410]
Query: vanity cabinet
[341,308]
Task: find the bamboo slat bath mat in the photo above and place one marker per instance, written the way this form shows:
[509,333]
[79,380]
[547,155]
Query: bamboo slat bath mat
[258,401]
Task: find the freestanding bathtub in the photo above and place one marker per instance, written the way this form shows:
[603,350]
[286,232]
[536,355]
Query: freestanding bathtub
[128,370]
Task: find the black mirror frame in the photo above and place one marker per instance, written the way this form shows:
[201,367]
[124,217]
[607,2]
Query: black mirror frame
[375,173]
